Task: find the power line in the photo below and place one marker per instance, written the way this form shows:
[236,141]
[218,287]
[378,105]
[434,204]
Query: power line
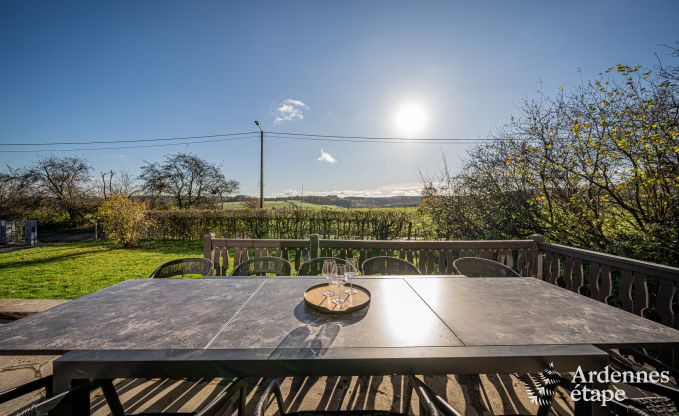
[128,141]
[376,138]
[279,134]
[188,140]
[127,147]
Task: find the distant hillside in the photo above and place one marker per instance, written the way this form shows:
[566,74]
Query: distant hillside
[358,202]
[329,201]
[278,204]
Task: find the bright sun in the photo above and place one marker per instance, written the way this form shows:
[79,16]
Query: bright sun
[411,118]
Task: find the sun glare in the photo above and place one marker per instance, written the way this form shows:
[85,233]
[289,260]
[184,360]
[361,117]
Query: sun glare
[411,119]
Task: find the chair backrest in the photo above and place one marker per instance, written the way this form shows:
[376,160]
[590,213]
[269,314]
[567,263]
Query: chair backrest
[388,265]
[478,267]
[180,267]
[314,267]
[261,266]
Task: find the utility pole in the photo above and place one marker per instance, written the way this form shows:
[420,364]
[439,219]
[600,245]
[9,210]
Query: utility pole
[261,164]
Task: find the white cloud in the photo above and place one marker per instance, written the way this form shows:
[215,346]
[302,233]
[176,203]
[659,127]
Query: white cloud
[289,110]
[326,157]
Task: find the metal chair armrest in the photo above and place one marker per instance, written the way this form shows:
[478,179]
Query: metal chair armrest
[51,403]
[440,405]
[645,358]
[272,387]
[660,389]
[237,386]
[18,391]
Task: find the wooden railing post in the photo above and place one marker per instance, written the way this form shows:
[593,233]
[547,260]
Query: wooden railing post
[207,245]
[537,257]
[313,246]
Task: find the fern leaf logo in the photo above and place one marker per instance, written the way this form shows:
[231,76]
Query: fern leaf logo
[541,387]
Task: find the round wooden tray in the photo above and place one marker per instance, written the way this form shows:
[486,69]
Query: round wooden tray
[314,297]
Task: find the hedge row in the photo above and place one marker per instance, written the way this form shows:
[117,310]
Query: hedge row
[378,224]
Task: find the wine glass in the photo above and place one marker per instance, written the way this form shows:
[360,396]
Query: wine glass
[328,266]
[350,272]
[338,279]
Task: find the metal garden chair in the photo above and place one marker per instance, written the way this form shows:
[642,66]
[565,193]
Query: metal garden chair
[386,265]
[667,400]
[262,266]
[644,406]
[182,267]
[478,267]
[314,267]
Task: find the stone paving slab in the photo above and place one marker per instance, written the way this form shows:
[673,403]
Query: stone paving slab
[12,309]
[18,370]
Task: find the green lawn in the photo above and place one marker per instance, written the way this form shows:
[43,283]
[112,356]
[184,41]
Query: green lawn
[70,270]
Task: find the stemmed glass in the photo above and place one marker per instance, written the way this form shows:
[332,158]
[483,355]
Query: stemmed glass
[328,267]
[338,279]
[350,272]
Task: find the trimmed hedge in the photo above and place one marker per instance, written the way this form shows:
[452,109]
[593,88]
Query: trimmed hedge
[378,224]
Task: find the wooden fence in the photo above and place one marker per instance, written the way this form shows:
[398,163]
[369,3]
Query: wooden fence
[432,257]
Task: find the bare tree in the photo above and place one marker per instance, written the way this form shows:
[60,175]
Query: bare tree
[188,180]
[16,194]
[107,187]
[117,183]
[126,184]
[153,182]
[66,180]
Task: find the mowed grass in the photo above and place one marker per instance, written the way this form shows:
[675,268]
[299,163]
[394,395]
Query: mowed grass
[71,270]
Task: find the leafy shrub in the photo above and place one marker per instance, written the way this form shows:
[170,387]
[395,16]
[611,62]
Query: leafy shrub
[251,202]
[123,220]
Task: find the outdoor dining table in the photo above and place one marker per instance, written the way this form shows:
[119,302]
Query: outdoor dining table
[261,327]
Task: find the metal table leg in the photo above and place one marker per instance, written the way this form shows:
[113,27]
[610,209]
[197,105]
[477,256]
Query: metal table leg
[64,380]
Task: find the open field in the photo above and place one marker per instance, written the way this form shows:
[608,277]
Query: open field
[70,270]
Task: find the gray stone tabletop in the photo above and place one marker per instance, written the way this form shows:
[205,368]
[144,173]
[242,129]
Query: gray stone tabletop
[277,317]
[528,311]
[269,313]
[141,314]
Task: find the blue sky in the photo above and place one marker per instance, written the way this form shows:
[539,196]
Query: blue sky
[74,71]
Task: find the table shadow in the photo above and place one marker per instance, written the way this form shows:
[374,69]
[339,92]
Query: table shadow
[316,333]
[312,339]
